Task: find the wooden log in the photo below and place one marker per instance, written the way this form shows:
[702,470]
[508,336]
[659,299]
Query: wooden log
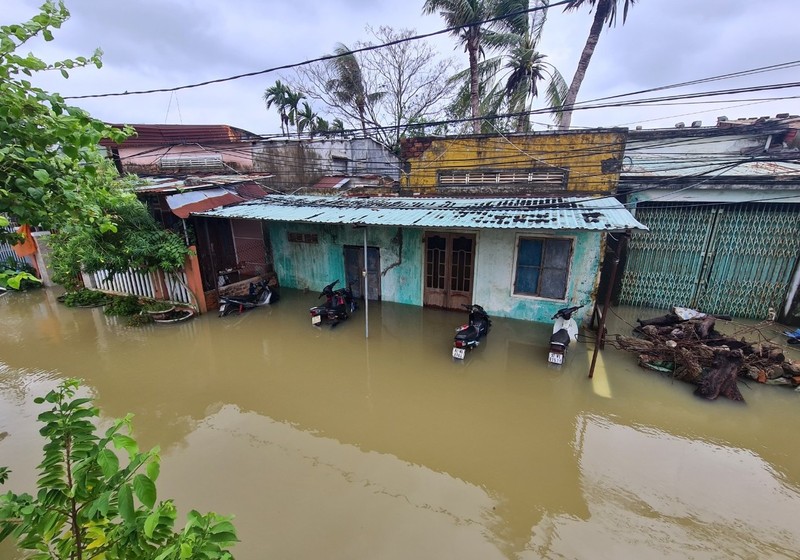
[721,378]
[664,320]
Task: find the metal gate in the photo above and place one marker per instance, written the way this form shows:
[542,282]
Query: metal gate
[727,259]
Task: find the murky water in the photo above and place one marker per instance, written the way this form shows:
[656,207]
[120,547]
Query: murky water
[327,445]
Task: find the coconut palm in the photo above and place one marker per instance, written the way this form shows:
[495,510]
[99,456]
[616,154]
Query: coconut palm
[276,95]
[605,12]
[526,66]
[348,86]
[467,16]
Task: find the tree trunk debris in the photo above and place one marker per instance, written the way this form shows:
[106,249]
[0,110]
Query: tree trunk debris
[692,350]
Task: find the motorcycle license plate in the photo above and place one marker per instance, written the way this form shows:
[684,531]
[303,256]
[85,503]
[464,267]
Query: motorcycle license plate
[316,319]
[459,353]
[555,358]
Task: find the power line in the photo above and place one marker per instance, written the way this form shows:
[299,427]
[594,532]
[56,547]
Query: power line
[325,57]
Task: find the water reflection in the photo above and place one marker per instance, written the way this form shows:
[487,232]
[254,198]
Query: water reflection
[323,443]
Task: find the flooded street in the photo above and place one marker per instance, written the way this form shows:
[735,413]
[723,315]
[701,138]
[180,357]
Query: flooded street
[327,445]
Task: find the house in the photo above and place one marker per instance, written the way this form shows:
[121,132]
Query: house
[299,163]
[531,243]
[181,149]
[722,205]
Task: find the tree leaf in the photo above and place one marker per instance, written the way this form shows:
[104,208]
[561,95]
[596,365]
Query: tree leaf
[109,463]
[125,504]
[145,490]
[151,523]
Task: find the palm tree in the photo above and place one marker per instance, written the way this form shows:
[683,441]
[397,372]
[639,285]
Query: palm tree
[276,95]
[526,67]
[293,99]
[605,12]
[348,86]
[306,118]
[466,15]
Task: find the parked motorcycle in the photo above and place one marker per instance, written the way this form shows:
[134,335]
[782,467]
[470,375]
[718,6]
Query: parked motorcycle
[338,306]
[258,295]
[468,336]
[565,330]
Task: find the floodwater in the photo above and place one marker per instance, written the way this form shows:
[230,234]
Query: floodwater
[325,444]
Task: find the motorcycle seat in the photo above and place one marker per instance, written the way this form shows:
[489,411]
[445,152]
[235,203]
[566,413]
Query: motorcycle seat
[468,333]
[560,337]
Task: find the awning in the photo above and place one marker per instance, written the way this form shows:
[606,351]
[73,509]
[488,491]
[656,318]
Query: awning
[186,203]
[604,213]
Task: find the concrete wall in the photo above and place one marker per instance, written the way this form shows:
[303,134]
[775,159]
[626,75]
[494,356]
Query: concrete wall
[301,163]
[313,265]
[592,159]
[494,285]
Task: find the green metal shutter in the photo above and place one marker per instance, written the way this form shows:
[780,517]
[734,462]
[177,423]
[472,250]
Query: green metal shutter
[663,265]
[755,251]
[724,259]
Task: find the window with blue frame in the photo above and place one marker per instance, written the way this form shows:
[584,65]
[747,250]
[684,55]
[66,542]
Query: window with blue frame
[542,267]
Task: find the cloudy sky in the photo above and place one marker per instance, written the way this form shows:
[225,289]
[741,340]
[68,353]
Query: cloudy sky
[151,44]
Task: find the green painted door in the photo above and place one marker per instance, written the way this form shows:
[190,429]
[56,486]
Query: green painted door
[726,259]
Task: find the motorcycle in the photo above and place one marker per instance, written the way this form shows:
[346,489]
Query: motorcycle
[258,295]
[565,330]
[468,336]
[337,307]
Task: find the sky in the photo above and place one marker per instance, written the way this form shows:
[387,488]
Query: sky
[151,44]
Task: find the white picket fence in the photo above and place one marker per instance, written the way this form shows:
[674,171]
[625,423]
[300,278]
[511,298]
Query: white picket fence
[138,283]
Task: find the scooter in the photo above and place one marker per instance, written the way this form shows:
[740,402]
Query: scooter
[468,336]
[337,307]
[258,295]
[565,330]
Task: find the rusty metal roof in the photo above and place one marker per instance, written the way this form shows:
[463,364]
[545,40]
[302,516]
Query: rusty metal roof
[177,134]
[177,184]
[553,213]
[183,204]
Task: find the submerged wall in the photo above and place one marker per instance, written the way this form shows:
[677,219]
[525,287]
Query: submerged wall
[494,283]
[311,265]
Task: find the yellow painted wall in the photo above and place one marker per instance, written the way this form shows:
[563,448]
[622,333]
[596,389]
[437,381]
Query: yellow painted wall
[581,153]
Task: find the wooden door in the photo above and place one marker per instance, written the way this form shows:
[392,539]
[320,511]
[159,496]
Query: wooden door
[354,268]
[449,269]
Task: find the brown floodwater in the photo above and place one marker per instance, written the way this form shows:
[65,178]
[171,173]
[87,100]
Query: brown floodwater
[325,444]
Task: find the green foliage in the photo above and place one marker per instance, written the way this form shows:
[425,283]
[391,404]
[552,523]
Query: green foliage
[123,306]
[137,242]
[17,280]
[85,298]
[18,275]
[49,156]
[97,496]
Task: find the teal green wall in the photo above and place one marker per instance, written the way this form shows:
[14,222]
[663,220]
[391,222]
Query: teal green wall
[494,270]
[311,266]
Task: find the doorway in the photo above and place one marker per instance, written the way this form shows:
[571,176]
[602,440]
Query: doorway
[354,268]
[449,270]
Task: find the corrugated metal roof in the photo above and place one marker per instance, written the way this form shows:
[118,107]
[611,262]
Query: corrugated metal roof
[183,204]
[176,134]
[200,182]
[707,165]
[557,213]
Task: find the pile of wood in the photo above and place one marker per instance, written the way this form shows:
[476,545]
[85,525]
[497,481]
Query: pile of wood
[691,350]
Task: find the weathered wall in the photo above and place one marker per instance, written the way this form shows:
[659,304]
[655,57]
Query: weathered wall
[592,159]
[313,265]
[494,269]
[301,163]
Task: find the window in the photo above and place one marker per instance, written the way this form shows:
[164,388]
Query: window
[542,267]
[296,237]
[536,179]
